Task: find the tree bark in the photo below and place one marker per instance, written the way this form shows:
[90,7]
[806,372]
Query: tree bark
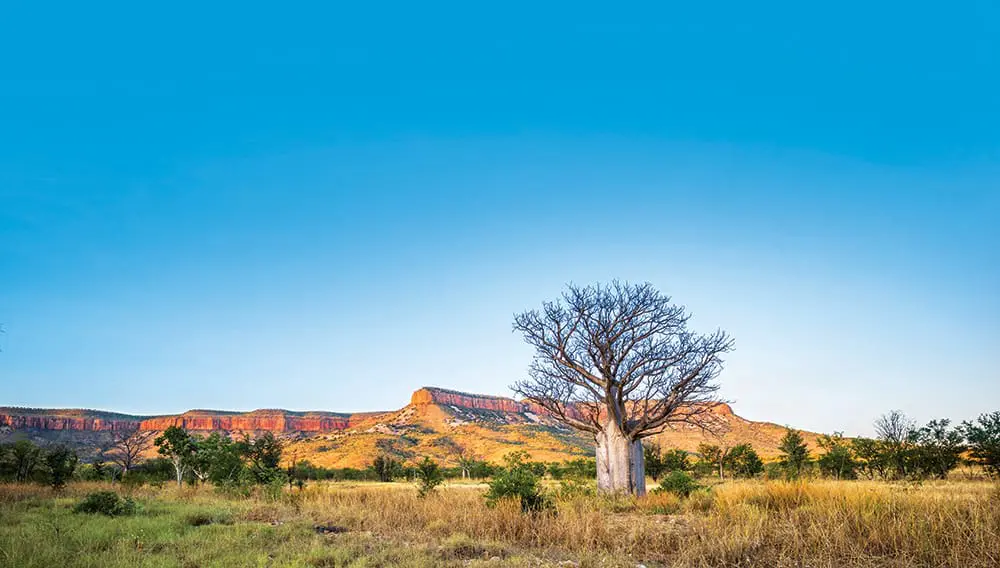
[179,470]
[620,463]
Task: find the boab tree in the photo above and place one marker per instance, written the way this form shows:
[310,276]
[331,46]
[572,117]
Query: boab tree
[619,362]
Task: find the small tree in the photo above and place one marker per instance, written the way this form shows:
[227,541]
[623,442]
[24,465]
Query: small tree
[386,468]
[429,476]
[939,448]
[983,437]
[5,466]
[654,460]
[466,461]
[794,453]
[711,459]
[517,481]
[176,445]
[838,460]
[25,458]
[61,463]
[293,474]
[675,460]
[128,446]
[870,458]
[743,461]
[619,363]
[679,483]
[896,432]
[217,458]
[263,456]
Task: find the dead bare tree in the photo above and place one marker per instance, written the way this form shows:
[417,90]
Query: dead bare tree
[896,431]
[128,446]
[618,361]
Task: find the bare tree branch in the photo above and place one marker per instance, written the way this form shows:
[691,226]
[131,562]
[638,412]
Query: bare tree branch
[128,446]
[620,354]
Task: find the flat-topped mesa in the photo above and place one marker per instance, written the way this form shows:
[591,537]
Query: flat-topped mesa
[277,421]
[431,395]
[75,423]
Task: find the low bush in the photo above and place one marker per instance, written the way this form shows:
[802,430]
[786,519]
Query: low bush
[208,517]
[517,481]
[679,483]
[429,476]
[106,503]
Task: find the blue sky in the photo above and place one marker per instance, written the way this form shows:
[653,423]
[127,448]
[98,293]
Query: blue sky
[323,207]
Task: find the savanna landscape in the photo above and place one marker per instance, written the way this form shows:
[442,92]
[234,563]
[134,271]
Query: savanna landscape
[499,284]
[458,479]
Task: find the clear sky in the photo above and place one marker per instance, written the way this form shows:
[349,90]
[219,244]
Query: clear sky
[327,206]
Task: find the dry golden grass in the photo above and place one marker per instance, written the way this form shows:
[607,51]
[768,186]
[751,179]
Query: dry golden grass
[737,524]
[817,524]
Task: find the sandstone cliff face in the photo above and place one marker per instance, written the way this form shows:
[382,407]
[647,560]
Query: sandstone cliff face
[81,424]
[428,395]
[277,423]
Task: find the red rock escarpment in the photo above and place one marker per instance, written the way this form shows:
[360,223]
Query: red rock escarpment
[428,395]
[65,423]
[431,395]
[277,422]
[257,421]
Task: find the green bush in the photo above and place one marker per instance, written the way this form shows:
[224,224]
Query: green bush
[429,476]
[679,483]
[106,503]
[517,480]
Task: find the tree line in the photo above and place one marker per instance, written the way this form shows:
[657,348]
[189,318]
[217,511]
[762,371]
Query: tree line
[900,450]
[22,462]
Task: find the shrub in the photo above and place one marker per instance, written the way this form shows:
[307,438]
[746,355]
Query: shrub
[106,503]
[794,453]
[517,481]
[773,471]
[743,461]
[208,517]
[386,468]
[838,461]
[429,476]
[984,442]
[676,460]
[61,462]
[679,483]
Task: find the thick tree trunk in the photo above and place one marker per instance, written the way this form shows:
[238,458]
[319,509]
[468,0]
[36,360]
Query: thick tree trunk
[620,464]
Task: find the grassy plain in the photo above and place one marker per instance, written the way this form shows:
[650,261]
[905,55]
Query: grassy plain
[746,524]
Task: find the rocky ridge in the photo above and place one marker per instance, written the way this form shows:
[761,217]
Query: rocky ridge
[440,423]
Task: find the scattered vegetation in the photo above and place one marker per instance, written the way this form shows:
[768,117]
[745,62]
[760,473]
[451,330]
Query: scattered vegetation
[679,483]
[106,503]
[386,468]
[429,476]
[894,500]
[794,454]
[518,481]
[749,523]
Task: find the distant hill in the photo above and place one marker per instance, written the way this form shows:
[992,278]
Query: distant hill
[440,423]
